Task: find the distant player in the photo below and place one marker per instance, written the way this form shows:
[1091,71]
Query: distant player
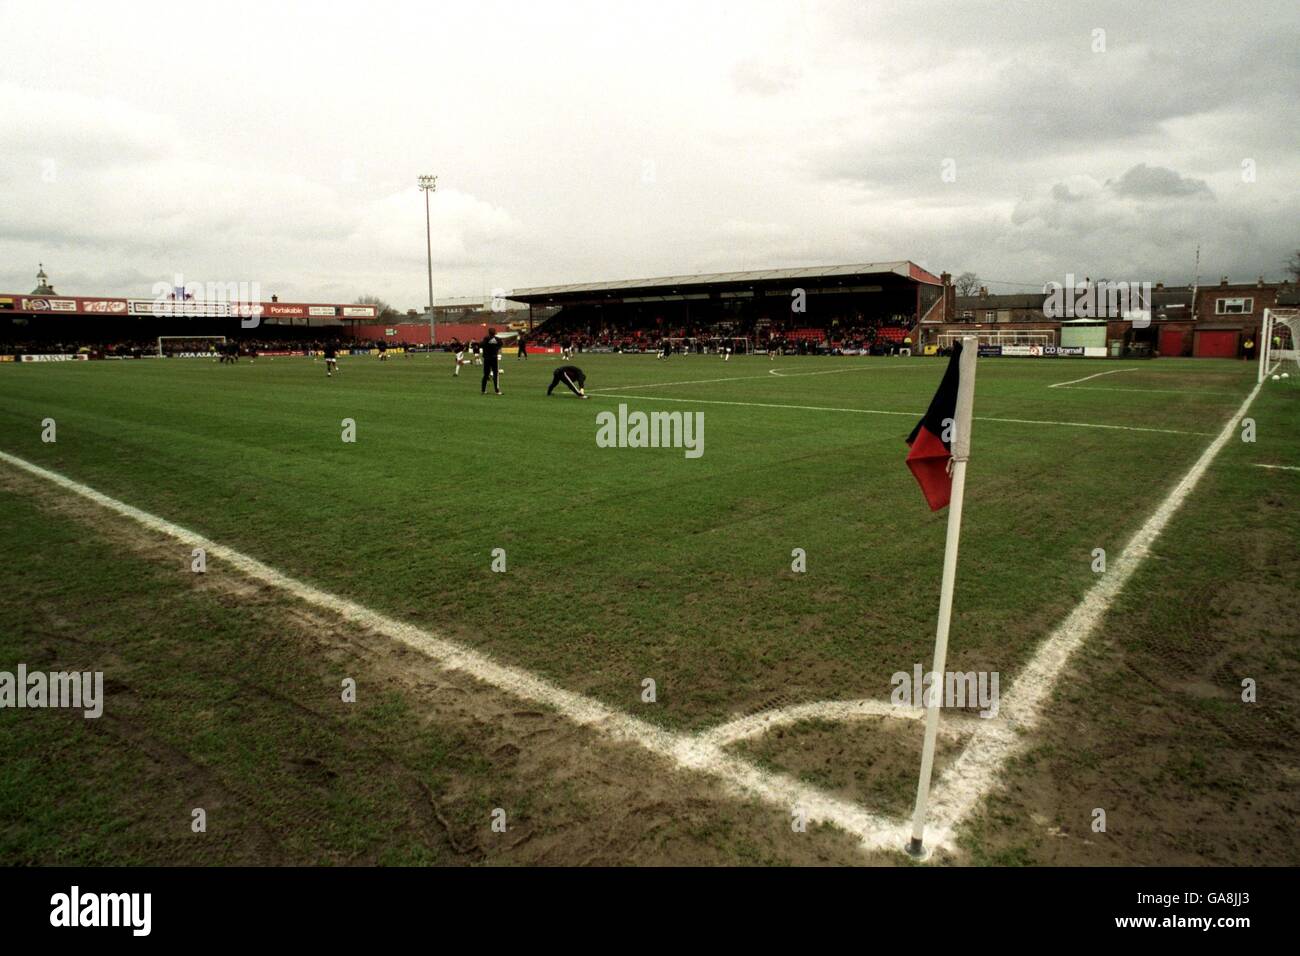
[571,376]
[726,355]
[523,349]
[383,351]
[331,359]
[459,349]
[474,353]
[491,349]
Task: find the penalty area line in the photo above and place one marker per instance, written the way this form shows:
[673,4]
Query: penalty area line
[749,378]
[689,752]
[1090,377]
[878,411]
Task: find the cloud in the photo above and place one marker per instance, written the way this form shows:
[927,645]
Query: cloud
[763,78]
[1156,182]
[777,134]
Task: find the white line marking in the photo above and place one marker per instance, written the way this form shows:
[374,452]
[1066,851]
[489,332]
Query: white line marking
[746,378]
[755,725]
[1087,377]
[1169,391]
[877,411]
[978,769]
[1280,467]
[972,776]
[687,751]
[838,371]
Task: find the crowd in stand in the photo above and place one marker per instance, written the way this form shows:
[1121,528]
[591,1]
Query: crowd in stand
[855,334]
[877,337]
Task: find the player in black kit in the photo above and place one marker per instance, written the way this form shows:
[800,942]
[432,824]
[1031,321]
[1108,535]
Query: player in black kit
[571,376]
[491,355]
[331,360]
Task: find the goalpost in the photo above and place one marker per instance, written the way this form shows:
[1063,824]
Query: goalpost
[1279,345]
[187,338]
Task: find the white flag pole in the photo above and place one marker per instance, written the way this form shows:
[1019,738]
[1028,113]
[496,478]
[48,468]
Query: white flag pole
[960,446]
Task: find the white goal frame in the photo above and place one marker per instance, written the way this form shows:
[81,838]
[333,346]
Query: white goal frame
[187,338]
[1269,357]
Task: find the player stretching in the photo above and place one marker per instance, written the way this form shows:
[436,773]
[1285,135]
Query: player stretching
[491,350]
[571,376]
[331,359]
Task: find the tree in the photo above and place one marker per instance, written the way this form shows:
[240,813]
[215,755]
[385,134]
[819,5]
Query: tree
[382,309]
[968,283]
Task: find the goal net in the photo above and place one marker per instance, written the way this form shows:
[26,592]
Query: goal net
[188,345]
[1280,345]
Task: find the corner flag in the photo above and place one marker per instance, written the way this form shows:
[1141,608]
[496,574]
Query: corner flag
[930,457]
[940,449]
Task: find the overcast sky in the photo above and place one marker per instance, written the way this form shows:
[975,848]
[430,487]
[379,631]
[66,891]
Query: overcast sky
[279,143]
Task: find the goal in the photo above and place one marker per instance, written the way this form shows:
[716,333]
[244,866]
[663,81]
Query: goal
[197,341]
[1280,344]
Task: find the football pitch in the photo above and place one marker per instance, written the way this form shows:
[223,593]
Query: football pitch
[643,655]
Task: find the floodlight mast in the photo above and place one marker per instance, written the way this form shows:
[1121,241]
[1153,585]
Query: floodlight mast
[429,184]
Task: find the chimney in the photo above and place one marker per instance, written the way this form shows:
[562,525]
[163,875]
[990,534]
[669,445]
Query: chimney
[984,292]
[1160,285]
[1261,282]
[1223,281]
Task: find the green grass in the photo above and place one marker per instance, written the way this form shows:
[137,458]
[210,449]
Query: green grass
[195,717]
[633,563]
[622,563]
[1150,723]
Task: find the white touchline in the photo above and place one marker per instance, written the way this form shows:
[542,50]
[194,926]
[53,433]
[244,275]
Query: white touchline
[978,768]
[1280,467]
[1086,377]
[877,411]
[691,752]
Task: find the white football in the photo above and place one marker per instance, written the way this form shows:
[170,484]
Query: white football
[1286,374]
[1277,378]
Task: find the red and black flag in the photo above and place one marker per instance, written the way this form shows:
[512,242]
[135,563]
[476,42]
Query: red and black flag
[931,453]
